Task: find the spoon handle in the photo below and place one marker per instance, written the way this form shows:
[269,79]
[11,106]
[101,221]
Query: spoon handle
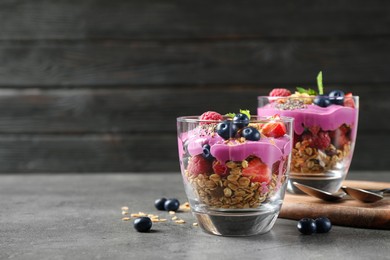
[385,190]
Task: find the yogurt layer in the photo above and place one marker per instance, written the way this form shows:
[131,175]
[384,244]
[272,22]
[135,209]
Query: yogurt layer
[328,118]
[269,150]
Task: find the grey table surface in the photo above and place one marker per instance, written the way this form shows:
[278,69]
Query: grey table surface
[76,216]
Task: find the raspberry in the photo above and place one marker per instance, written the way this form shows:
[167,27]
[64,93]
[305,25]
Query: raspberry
[280,92]
[198,165]
[211,115]
[220,169]
[320,141]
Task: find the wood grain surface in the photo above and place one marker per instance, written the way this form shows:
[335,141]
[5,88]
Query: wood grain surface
[73,73]
[348,212]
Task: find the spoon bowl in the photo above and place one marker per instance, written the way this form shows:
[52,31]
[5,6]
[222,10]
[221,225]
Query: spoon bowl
[324,195]
[364,195]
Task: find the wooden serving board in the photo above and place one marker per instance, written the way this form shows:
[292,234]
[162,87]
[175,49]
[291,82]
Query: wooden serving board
[348,212]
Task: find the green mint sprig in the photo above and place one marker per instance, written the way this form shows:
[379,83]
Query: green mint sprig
[242,111]
[319,84]
[246,112]
[308,91]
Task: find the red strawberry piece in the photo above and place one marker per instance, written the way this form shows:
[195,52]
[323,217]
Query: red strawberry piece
[344,129]
[219,168]
[257,171]
[199,165]
[348,100]
[280,92]
[273,129]
[211,115]
[339,139]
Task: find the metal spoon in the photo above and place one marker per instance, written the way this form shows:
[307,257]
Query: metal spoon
[324,195]
[365,195]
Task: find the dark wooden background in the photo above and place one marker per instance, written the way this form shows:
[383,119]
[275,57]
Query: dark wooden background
[96,86]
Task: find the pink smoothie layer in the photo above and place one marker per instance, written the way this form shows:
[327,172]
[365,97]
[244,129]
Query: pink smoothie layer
[269,150]
[328,118]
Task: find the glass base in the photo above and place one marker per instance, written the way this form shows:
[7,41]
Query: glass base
[237,223]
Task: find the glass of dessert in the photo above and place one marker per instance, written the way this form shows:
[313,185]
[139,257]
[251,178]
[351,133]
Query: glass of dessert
[235,170]
[325,128]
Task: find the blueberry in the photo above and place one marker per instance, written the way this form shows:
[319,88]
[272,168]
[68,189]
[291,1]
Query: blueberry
[171,205]
[226,129]
[307,226]
[251,134]
[159,203]
[336,97]
[142,224]
[240,120]
[323,225]
[322,101]
[206,152]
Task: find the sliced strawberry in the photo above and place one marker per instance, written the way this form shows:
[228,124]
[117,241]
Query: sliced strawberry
[219,168]
[273,129]
[198,165]
[348,100]
[257,171]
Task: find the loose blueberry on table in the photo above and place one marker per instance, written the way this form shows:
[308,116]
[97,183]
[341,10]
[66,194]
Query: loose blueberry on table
[143,224]
[171,205]
[307,226]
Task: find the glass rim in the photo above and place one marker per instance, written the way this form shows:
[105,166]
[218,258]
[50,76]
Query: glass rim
[276,97]
[254,119]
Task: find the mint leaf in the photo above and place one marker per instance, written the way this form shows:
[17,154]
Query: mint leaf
[246,112]
[308,91]
[301,90]
[230,115]
[311,92]
[319,83]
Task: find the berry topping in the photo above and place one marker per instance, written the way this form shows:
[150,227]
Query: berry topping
[274,129]
[211,115]
[320,140]
[322,101]
[143,224]
[220,169]
[159,203]
[171,205]
[240,120]
[348,100]
[306,226]
[280,92]
[323,225]
[257,171]
[198,165]
[251,134]
[206,152]
[336,97]
[340,137]
[226,129]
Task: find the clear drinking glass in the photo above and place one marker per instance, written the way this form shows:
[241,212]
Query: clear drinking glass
[324,139]
[235,186]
